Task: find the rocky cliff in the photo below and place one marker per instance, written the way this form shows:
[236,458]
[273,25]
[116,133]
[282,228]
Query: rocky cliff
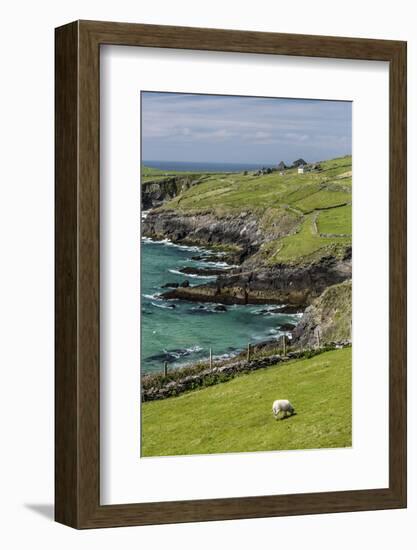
[240,231]
[159,190]
[327,319]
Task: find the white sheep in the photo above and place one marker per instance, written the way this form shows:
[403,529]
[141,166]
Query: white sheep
[284,406]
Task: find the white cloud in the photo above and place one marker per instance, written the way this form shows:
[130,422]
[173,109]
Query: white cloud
[202,121]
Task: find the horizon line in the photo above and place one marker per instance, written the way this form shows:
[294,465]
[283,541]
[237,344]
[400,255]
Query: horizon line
[237,162]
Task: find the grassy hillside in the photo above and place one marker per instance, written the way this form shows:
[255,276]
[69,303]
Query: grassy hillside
[305,243]
[305,215]
[236,416]
[149,171]
[336,220]
[229,192]
[156,174]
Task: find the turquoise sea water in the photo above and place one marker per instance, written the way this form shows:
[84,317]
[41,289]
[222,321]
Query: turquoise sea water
[181,332]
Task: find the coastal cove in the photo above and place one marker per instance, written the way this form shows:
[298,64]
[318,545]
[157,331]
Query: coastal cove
[235,259]
[181,331]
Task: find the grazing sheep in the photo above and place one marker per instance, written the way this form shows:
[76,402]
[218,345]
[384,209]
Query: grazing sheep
[284,406]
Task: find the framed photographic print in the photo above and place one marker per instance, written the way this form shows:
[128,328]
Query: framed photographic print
[230,274]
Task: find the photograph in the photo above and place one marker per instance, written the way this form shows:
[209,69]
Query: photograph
[246,274]
[209,275]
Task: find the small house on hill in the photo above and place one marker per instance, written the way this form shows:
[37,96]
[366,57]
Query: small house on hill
[302,169]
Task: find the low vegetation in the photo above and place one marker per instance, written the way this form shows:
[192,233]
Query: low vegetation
[236,416]
[336,221]
[237,191]
[266,349]
[306,243]
[156,174]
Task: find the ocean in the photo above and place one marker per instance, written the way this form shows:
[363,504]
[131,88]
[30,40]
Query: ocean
[178,166]
[178,331]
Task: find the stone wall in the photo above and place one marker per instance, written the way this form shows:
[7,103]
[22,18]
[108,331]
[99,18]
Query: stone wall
[222,373]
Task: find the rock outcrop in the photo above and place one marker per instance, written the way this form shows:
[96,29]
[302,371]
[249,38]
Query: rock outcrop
[294,285]
[206,229]
[157,191]
[327,319]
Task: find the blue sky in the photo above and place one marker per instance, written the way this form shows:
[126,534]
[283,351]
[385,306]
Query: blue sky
[207,128]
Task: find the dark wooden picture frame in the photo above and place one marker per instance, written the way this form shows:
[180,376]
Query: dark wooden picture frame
[77,374]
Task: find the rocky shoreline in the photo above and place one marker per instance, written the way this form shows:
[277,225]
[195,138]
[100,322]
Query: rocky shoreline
[239,234]
[251,282]
[234,240]
[283,285]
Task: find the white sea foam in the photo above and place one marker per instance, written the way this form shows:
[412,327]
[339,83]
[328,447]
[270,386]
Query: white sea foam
[168,242]
[209,263]
[192,275]
[272,310]
[148,240]
[194,349]
[177,354]
[152,296]
[184,247]
[210,307]
[162,306]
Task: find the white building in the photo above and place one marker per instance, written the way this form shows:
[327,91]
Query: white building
[301,169]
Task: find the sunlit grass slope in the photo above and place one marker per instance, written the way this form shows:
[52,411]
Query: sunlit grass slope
[227,192]
[236,416]
[306,216]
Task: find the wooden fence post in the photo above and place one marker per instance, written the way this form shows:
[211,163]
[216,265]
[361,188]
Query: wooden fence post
[248,353]
[165,368]
[211,358]
[284,345]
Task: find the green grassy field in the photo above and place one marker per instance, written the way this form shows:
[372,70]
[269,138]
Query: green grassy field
[284,204]
[149,171]
[230,192]
[336,220]
[236,416]
[305,244]
[155,174]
